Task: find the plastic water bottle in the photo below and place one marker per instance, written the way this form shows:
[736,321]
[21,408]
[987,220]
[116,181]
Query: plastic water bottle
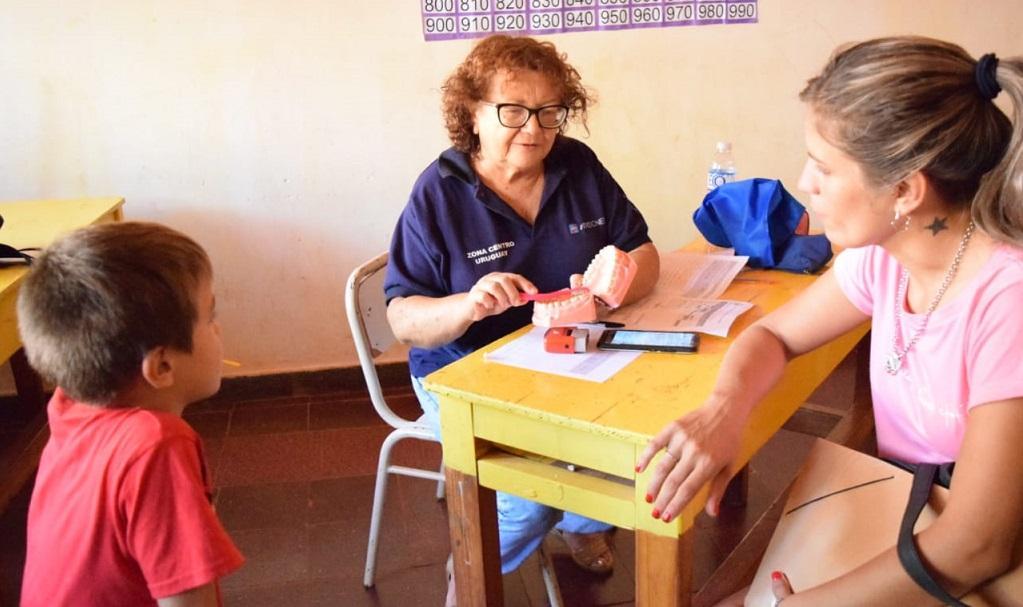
[722,170]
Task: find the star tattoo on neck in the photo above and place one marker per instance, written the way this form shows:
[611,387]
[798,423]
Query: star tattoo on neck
[939,224]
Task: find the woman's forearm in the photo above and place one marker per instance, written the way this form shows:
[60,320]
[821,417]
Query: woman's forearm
[429,322]
[751,367]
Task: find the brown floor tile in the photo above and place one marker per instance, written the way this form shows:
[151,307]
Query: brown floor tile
[209,424]
[270,458]
[418,454]
[277,505]
[407,406]
[211,404]
[580,587]
[339,549]
[347,499]
[352,451]
[424,518]
[302,593]
[413,586]
[269,419]
[814,423]
[237,389]
[272,401]
[272,557]
[342,413]
[354,411]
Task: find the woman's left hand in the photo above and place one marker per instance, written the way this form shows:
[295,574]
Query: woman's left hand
[781,587]
[700,447]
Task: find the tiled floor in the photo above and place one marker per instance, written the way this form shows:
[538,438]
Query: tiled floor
[294,484]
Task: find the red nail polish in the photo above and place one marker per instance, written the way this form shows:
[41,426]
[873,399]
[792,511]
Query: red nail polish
[776,576]
[656,513]
[649,498]
[637,469]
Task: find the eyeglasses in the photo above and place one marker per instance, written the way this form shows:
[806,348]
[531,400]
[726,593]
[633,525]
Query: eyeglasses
[515,116]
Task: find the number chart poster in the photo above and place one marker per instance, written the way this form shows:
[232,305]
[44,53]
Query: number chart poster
[451,19]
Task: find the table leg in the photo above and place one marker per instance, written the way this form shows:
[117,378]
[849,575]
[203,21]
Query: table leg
[472,520]
[737,490]
[664,569]
[28,384]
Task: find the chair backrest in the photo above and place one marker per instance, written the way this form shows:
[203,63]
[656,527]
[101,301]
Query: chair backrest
[367,316]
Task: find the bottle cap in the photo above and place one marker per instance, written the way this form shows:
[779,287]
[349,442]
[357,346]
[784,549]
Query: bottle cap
[724,146]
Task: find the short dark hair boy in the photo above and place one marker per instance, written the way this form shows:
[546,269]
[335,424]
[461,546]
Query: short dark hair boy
[121,318]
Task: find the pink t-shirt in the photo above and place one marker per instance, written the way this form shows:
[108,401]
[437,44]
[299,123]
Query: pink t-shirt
[120,511]
[969,354]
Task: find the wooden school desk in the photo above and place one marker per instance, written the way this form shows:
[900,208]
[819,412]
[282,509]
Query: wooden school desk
[600,427]
[35,223]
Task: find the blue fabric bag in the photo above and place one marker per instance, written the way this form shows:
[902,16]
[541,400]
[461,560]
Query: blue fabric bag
[758,218]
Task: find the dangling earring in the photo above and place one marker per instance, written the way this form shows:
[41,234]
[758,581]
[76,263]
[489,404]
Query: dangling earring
[895,221]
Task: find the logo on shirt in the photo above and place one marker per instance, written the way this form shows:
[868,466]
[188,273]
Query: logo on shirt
[575,228]
[494,251]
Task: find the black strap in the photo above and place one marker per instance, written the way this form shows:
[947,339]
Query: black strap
[10,255]
[923,479]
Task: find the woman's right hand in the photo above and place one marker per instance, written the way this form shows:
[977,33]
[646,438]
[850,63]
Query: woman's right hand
[495,293]
[699,449]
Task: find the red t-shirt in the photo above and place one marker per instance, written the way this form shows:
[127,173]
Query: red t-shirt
[121,512]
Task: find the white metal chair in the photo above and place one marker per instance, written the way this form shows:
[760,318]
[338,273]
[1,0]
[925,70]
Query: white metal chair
[367,317]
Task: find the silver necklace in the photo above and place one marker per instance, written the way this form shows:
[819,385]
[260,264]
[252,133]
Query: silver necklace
[893,363]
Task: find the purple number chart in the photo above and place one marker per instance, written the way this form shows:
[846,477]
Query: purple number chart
[452,19]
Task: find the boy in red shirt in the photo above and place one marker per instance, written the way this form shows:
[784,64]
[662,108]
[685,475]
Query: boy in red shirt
[121,318]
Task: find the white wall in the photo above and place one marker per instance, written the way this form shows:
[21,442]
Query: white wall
[284,136]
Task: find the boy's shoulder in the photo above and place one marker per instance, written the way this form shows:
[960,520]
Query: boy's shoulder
[125,429]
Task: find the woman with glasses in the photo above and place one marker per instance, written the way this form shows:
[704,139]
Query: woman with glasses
[513,206]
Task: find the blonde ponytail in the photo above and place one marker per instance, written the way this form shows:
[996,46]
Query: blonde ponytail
[998,205]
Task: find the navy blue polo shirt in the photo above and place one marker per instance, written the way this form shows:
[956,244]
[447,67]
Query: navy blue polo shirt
[454,230]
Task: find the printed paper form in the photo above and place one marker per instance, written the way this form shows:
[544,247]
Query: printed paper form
[684,298]
[700,276]
[594,365]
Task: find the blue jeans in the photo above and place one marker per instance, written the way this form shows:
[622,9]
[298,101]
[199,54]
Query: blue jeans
[521,524]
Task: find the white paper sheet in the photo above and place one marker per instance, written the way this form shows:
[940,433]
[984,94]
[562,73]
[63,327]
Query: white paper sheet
[684,298]
[701,276]
[593,365]
[676,313]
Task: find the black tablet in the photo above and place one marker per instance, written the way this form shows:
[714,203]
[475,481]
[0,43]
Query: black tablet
[655,341]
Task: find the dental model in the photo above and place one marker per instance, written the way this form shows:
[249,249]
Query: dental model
[564,308]
[609,275]
[608,278]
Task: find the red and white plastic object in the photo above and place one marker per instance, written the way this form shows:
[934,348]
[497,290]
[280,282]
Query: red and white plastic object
[565,340]
[608,278]
[564,308]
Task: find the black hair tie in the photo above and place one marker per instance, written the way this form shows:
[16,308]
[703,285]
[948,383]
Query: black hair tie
[984,75]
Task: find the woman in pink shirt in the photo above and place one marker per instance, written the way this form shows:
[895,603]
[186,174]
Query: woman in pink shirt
[919,176]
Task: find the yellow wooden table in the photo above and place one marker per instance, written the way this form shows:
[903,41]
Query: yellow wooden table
[601,427]
[35,223]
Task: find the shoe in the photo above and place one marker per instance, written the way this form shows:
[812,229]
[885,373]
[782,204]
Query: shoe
[452,597]
[590,551]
